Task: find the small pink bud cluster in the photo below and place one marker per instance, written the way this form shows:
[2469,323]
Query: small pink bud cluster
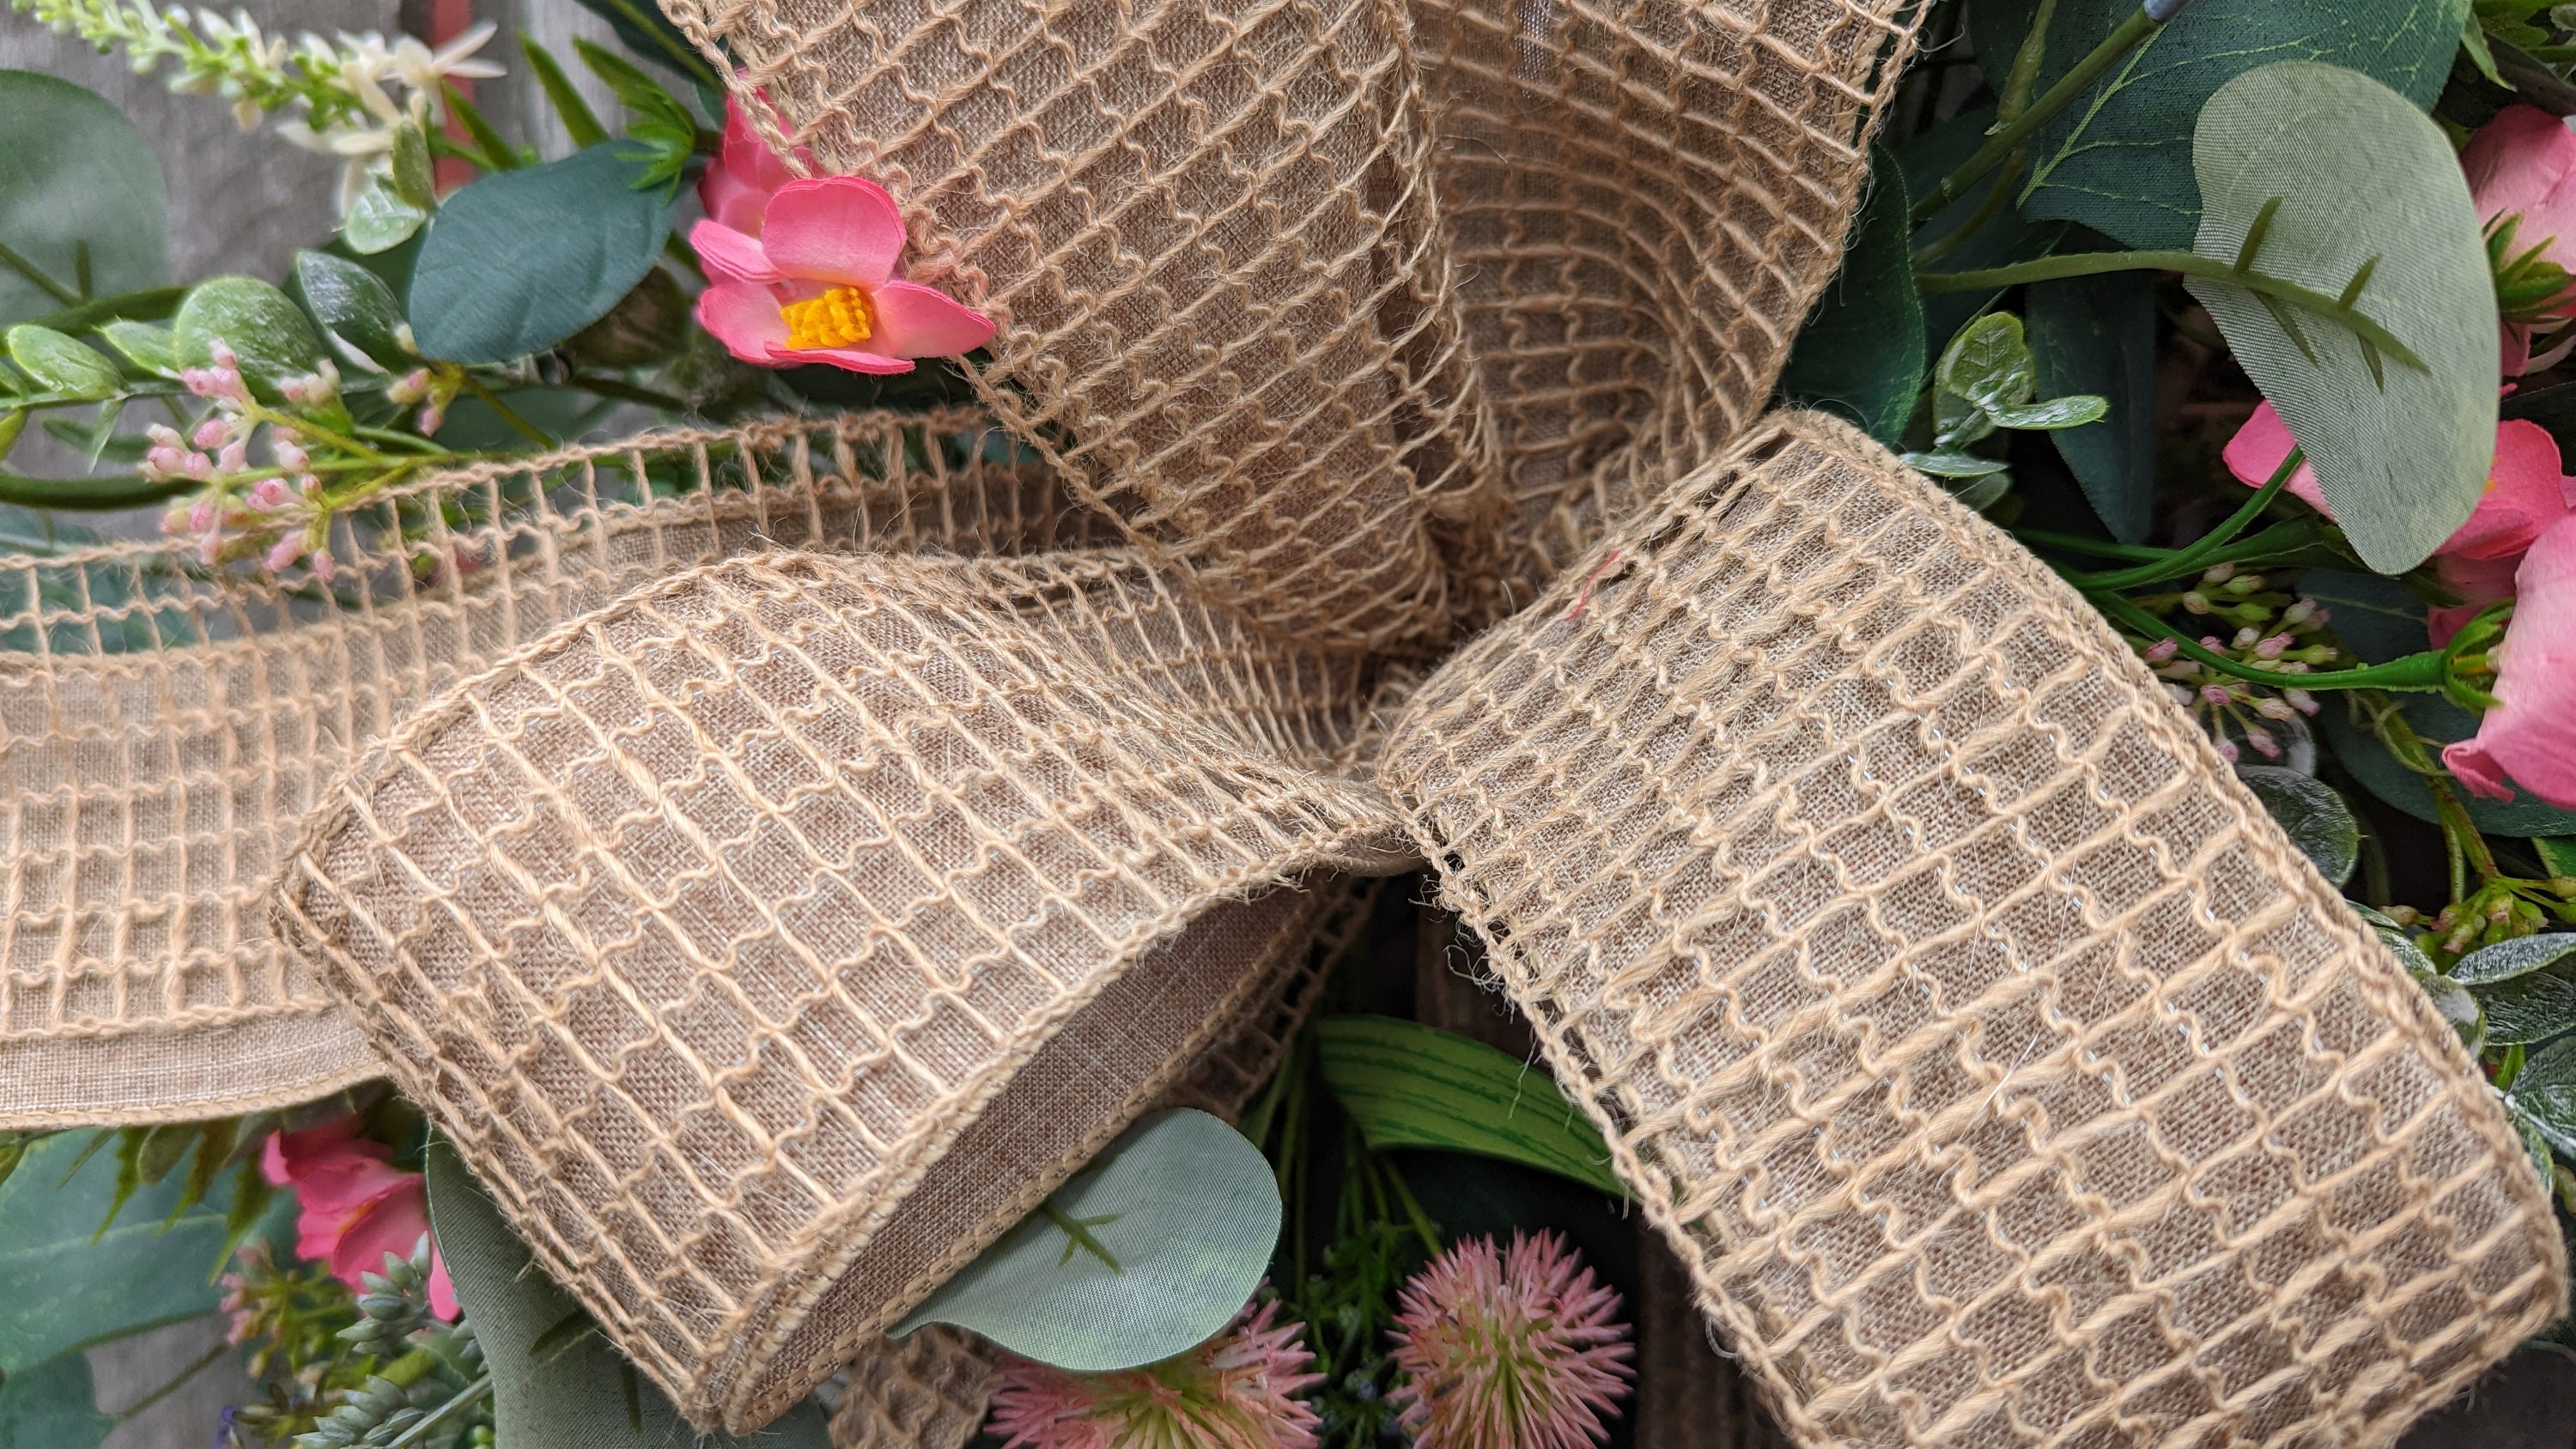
[222,383]
[421,386]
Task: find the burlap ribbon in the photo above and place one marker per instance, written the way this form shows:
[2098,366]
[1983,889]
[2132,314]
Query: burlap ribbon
[777,871]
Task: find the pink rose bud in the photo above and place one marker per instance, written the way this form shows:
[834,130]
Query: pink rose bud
[2162,650]
[2214,693]
[283,554]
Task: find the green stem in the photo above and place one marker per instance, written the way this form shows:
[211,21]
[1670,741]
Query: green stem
[2008,138]
[1987,210]
[2024,75]
[2190,264]
[2092,547]
[628,392]
[397,437]
[2414,673]
[36,274]
[1421,1221]
[259,413]
[2201,551]
[508,414]
[91,495]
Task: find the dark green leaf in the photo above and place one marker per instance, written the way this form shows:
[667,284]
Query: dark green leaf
[2373,616]
[2545,1092]
[642,28]
[152,304]
[355,306]
[2366,188]
[1150,1250]
[62,1290]
[380,220]
[2557,856]
[2506,960]
[2316,819]
[52,1406]
[577,1398]
[519,261]
[666,135]
[2439,722]
[2530,1008]
[148,347]
[266,332]
[73,169]
[2098,335]
[570,108]
[1410,1085]
[2006,238]
[2120,160]
[59,364]
[1861,350]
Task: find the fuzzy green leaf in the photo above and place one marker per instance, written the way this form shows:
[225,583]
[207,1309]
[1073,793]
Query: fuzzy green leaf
[74,174]
[2521,956]
[2545,1093]
[2316,819]
[1410,1085]
[2530,1008]
[2371,202]
[1146,1252]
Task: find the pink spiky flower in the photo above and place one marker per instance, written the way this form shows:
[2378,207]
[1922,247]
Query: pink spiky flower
[1235,1391]
[1510,1349]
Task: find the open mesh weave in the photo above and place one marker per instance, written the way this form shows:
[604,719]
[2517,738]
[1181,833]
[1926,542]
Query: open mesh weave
[711,925]
[1208,232]
[2001,1072]
[164,728]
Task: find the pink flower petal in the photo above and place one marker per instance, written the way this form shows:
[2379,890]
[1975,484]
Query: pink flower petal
[916,321]
[2530,735]
[2523,495]
[2478,581]
[393,1223]
[2257,450]
[730,255]
[842,229]
[745,319]
[731,201]
[2522,161]
[847,358]
[747,156]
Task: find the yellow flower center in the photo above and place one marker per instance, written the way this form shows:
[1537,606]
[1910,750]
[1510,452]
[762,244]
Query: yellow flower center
[838,318]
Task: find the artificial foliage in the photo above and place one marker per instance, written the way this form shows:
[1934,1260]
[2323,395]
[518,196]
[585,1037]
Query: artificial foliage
[2203,305]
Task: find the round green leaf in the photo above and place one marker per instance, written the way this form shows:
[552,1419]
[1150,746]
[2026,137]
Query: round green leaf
[2521,956]
[2365,182]
[1861,350]
[2315,817]
[147,346]
[74,171]
[519,261]
[1147,1252]
[266,332]
[59,364]
[355,306]
[380,220]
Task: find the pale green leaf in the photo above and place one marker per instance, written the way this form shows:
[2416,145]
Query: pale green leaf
[267,333]
[60,364]
[379,219]
[355,306]
[2520,956]
[2072,411]
[2367,185]
[2545,1092]
[149,347]
[1954,465]
[1150,1250]
[74,171]
[1410,1085]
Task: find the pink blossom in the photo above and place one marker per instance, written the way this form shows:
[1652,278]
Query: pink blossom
[818,285]
[2530,734]
[355,1207]
[1236,1391]
[2523,164]
[736,187]
[1510,1349]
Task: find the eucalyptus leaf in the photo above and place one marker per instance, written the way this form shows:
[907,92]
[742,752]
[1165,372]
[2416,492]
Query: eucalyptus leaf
[2073,411]
[379,219]
[2531,1008]
[2372,616]
[267,333]
[52,1406]
[2370,201]
[74,173]
[2520,956]
[2119,160]
[1980,494]
[67,1285]
[1860,352]
[2316,819]
[1149,1251]
[355,306]
[2545,1092]
[151,348]
[1954,465]
[1410,1085]
[60,364]
[581,1394]
[2439,722]
[2097,335]
[519,261]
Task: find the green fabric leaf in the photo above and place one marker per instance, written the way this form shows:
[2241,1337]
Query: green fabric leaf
[2545,1094]
[2530,1008]
[2439,722]
[2119,160]
[1860,353]
[579,1393]
[1410,1085]
[2316,819]
[2521,956]
[62,1290]
[59,364]
[2366,184]
[52,1406]
[519,261]
[266,331]
[153,349]
[2374,617]
[1149,1251]
[2097,335]
[74,170]
[355,306]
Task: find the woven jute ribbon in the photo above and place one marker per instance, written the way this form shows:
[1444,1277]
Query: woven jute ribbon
[777,858]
